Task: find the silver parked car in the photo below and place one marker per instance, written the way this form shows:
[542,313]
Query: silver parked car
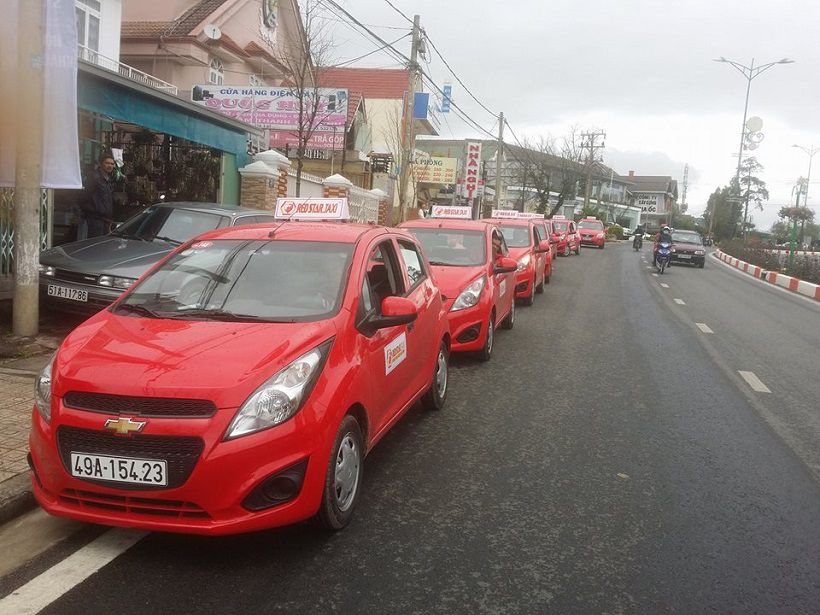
[86,276]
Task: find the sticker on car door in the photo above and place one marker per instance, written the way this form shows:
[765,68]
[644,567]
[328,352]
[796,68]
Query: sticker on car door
[394,353]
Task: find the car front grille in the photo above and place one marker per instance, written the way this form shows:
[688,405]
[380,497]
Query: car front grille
[181,452]
[86,500]
[139,406]
[76,277]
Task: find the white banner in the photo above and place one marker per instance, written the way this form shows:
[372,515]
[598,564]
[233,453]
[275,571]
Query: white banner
[528,215]
[446,211]
[61,154]
[311,209]
[506,214]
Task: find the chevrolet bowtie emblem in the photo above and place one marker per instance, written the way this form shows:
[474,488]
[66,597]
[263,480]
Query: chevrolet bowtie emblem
[124,426]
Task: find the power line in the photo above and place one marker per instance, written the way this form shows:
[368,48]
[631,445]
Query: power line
[393,6]
[370,53]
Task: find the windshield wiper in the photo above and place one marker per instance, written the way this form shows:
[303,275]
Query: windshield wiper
[438,263]
[136,308]
[169,240]
[224,315]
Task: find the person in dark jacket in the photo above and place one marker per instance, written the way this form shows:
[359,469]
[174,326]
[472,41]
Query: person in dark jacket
[98,206]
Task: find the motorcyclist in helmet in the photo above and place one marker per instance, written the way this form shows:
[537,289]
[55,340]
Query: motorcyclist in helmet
[664,235]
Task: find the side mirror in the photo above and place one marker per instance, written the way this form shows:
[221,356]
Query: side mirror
[505,264]
[543,246]
[394,311]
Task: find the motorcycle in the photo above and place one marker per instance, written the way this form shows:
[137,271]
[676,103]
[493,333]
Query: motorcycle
[663,255]
[637,242]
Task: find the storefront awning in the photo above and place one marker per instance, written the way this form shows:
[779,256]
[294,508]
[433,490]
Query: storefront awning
[107,93]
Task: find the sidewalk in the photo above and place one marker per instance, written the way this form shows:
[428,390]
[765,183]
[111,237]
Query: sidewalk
[17,376]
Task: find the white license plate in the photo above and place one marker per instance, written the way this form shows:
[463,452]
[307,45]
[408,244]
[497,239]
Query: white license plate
[684,256]
[64,292]
[120,469]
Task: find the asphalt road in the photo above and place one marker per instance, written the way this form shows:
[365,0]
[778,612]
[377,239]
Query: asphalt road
[608,459]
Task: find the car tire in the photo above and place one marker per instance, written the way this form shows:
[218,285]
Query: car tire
[540,288]
[567,251]
[530,299]
[701,265]
[547,279]
[343,478]
[486,353]
[436,395]
[509,321]
[578,250]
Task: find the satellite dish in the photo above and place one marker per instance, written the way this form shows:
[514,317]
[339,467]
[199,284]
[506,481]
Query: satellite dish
[214,33]
[754,124]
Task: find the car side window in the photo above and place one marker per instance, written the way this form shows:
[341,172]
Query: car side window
[537,234]
[498,240]
[413,263]
[381,278]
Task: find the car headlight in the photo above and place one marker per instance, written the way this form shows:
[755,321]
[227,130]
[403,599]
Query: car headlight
[281,396]
[47,270]
[523,262]
[42,390]
[673,250]
[699,252]
[470,295]
[600,235]
[116,282]
[563,236]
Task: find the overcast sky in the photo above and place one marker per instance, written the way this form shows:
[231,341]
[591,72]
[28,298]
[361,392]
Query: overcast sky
[641,70]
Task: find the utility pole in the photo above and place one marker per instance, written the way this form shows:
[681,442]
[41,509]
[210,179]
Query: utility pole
[29,167]
[499,155]
[683,205]
[409,128]
[591,144]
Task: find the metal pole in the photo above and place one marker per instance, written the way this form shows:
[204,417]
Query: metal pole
[743,126]
[27,190]
[499,154]
[812,152]
[409,132]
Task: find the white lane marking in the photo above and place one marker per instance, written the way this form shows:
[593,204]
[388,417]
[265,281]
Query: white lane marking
[680,301]
[650,267]
[750,378]
[704,327]
[42,590]
[664,285]
[654,275]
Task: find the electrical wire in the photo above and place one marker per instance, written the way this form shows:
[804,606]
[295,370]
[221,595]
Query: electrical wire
[395,8]
[370,53]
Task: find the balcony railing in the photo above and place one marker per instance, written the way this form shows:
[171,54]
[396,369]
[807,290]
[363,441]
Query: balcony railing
[129,72]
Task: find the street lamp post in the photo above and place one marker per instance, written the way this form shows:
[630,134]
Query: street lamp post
[749,73]
[811,151]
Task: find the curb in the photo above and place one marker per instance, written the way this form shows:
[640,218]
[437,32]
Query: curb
[16,497]
[795,285]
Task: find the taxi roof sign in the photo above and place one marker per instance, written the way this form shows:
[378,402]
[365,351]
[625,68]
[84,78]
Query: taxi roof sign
[559,217]
[590,218]
[309,208]
[530,215]
[451,211]
[504,213]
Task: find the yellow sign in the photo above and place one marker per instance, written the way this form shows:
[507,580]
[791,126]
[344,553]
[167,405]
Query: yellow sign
[434,170]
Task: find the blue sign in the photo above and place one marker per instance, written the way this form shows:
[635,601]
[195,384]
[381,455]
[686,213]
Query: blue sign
[448,92]
[421,104]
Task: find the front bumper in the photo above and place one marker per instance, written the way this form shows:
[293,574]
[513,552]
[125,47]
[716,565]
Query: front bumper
[591,240]
[688,259]
[523,282]
[209,500]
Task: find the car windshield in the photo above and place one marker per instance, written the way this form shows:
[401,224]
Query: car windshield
[172,224]
[278,281]
[560,227]
[591,224]
[693,238]
[517,236]
[452,247]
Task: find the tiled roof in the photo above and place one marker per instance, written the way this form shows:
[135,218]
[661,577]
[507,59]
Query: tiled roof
[653,183]
[181,26]
[144,29]
[369,82]
[353,100]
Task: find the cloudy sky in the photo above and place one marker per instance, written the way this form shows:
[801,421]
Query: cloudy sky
[641,70]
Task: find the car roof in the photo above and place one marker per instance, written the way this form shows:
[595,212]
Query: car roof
[226,210]
[448,223]
[509,222]
[340,232]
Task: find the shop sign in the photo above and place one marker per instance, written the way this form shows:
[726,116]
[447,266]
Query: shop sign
[652,203]
[320,138]
[472,169]
[274,108]
[311,209]
[447,211]
[434,170]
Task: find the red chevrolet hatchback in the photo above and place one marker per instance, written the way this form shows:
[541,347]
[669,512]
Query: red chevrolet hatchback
[476,279]
[526,247]
[239,385]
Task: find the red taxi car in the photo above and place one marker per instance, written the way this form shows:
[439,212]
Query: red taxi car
[530,252]
[477,281]
[240,384]
[565,233]
[592,232]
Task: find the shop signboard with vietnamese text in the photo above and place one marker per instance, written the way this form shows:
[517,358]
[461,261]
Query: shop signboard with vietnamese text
[277,109]
[435,170]
[650,202]
[472,170]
